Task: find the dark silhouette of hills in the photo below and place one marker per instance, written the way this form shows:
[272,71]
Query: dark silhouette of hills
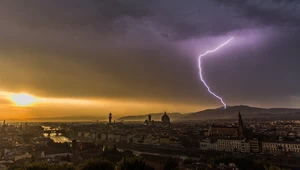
[231,112]
[154,116]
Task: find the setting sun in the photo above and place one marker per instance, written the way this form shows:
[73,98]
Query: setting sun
[22,99]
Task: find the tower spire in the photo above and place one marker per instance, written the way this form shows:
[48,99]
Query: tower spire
[241,126]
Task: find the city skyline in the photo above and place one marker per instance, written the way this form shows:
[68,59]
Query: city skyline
[82,58]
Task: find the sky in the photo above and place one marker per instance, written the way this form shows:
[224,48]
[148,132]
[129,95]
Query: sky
[129,57]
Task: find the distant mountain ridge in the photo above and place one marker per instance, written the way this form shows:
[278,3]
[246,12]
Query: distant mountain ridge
[154,116]
[231,112]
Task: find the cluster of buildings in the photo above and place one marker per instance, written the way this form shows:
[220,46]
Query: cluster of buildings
[21,143]
[228,137]
[15,146]
[240,139]
[150,133]
[276,148]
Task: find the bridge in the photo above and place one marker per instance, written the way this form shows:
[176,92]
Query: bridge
[57,131]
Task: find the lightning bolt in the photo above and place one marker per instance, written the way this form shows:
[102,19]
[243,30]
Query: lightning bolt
[200,70]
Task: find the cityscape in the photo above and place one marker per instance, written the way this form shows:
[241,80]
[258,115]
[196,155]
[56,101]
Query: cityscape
[149,85]
[210,144]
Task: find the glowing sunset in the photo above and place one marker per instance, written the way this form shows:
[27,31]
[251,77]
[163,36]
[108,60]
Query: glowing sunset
[23,99]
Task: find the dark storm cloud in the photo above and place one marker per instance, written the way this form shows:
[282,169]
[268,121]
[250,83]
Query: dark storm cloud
[59,13]
[279,12]
[125,49]
[175,19]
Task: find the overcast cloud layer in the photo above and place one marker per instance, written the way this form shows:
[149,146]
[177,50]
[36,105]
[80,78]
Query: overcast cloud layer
[147,50]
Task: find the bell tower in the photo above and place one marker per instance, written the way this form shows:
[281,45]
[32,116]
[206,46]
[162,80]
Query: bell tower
[109,118]
[241,126]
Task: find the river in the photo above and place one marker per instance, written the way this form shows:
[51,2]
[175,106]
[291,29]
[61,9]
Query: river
[56,138]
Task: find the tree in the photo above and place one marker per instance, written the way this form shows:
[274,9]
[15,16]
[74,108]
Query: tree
[188,161]
[15,167]
[45,166]
[97,165]
[66,158]
[171,164]
[133,163]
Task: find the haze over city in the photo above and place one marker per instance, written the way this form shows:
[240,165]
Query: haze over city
[61,58]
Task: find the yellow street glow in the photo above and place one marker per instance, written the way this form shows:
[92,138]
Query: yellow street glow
[22,99]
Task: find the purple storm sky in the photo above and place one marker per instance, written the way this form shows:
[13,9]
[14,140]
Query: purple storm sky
[147,50]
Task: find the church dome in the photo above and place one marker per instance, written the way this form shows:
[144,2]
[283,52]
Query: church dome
[165,118]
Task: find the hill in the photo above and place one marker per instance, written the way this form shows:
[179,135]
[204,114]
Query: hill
[247,112]
[154,116]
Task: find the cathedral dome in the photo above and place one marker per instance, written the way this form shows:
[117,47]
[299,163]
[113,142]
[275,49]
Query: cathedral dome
[165,119]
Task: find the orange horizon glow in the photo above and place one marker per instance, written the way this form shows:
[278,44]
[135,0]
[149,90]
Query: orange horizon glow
[23,99]
[25,105]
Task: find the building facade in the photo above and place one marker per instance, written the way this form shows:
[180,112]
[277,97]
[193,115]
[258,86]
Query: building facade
[281,148]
